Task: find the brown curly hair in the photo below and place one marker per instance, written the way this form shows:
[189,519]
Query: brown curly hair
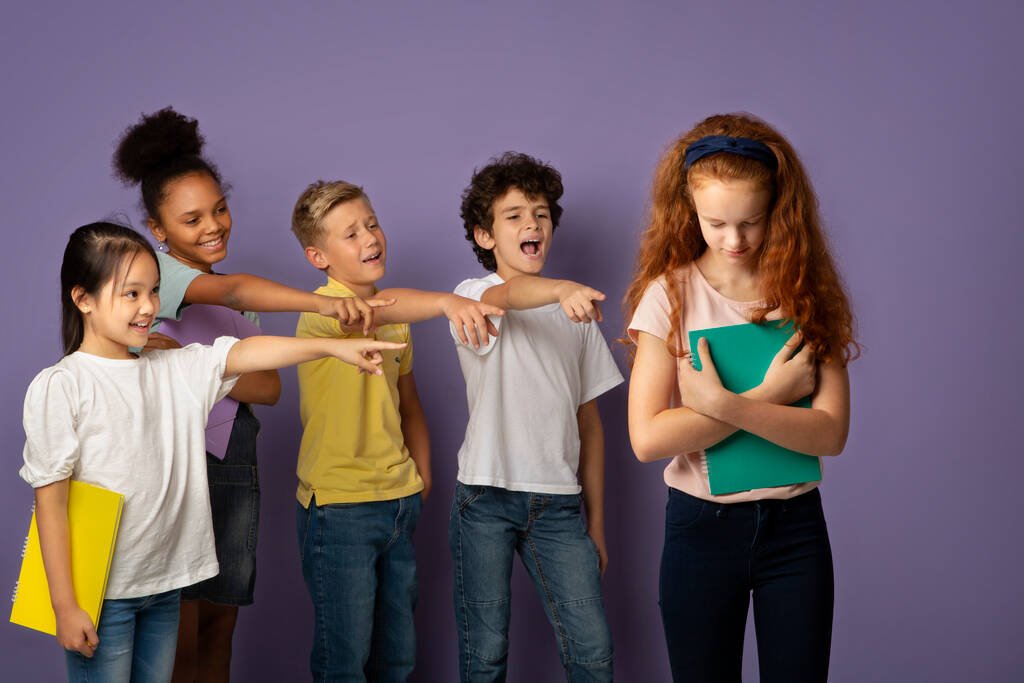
[501,174]
[798,276]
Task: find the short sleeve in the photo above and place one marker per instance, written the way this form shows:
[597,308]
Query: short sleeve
[202,368]
[405,364]
[598,371]
[653,313]
[316,326]
[175,277]
[50,420]
[474,289]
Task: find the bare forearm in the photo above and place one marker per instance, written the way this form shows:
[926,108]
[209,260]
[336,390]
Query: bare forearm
[681,430]
[591,468]
[411,305]
[263,388]
[52,521]
[254,354]
[414,428]
[245,292]
[592,482]
[523,292]
[804,430]
[417,440]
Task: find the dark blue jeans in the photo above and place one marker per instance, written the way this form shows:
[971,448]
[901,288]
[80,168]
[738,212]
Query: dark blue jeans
[715,557]
[360,569]
[488,526]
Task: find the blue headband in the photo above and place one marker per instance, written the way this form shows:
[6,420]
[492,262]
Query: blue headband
[716,144]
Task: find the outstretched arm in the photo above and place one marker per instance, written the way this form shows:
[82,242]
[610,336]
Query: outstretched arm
[75,630]
[263,388]
[270,353]
[414,305]
[658,431]
[819,430]
[579,302]
[591,474]
[244,292]
[414,429]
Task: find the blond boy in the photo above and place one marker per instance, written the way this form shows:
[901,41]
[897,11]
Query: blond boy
[364,460]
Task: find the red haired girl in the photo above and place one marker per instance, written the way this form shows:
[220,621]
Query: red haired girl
[734,237]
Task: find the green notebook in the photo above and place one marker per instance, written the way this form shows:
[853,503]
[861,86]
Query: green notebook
[743,461]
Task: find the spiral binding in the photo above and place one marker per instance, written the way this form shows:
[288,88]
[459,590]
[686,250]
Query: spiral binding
[24,549]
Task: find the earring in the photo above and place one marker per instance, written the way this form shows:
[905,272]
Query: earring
[161,247]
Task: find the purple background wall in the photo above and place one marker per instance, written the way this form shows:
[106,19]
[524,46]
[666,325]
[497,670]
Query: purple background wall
[905,114]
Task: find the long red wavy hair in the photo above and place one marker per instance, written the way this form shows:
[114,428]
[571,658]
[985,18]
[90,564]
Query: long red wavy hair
[797,273]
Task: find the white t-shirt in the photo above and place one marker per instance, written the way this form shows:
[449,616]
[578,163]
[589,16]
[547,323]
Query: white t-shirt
[136,427]
[523,391]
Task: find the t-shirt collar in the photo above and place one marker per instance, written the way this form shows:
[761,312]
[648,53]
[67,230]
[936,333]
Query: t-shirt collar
[343,288]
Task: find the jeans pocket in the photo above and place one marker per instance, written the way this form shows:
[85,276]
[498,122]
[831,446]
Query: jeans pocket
[683,510]
[465,495]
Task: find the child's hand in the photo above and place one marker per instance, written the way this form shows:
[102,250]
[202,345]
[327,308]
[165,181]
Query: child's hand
[160,341]
[467,315]
[352,311]
[579,301]
[699,390]
[76,632]
[787,379]
[365,354]
[602,548]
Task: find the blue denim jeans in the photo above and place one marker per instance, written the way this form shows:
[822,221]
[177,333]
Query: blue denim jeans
[487,527]
[717,556]
[137,641]
[359,567]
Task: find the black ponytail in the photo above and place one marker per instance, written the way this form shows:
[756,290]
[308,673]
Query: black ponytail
[92,258]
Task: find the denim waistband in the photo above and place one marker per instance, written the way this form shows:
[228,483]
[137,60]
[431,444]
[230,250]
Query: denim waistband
[812,497]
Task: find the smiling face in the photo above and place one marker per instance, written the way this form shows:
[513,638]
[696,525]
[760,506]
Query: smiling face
[353,249]
[194,221]
[120,314]
[520,235]
[733,217]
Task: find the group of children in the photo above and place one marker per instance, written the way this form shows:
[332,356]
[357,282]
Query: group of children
[734,236]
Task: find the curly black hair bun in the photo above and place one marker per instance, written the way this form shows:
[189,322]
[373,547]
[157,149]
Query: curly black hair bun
[155,142]
[160,148]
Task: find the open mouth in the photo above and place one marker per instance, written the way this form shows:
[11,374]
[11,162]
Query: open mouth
[214,243]
[530,247]
[374,258]
[142,326]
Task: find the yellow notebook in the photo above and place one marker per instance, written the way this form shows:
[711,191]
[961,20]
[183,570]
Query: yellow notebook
[94,514]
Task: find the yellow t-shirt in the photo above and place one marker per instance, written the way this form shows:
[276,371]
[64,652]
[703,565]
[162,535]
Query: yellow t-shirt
[352,447]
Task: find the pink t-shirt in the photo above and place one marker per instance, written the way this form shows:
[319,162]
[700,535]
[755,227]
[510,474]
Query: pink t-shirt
[702,307]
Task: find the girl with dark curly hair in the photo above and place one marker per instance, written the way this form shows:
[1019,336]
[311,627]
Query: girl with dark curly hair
[186,208]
